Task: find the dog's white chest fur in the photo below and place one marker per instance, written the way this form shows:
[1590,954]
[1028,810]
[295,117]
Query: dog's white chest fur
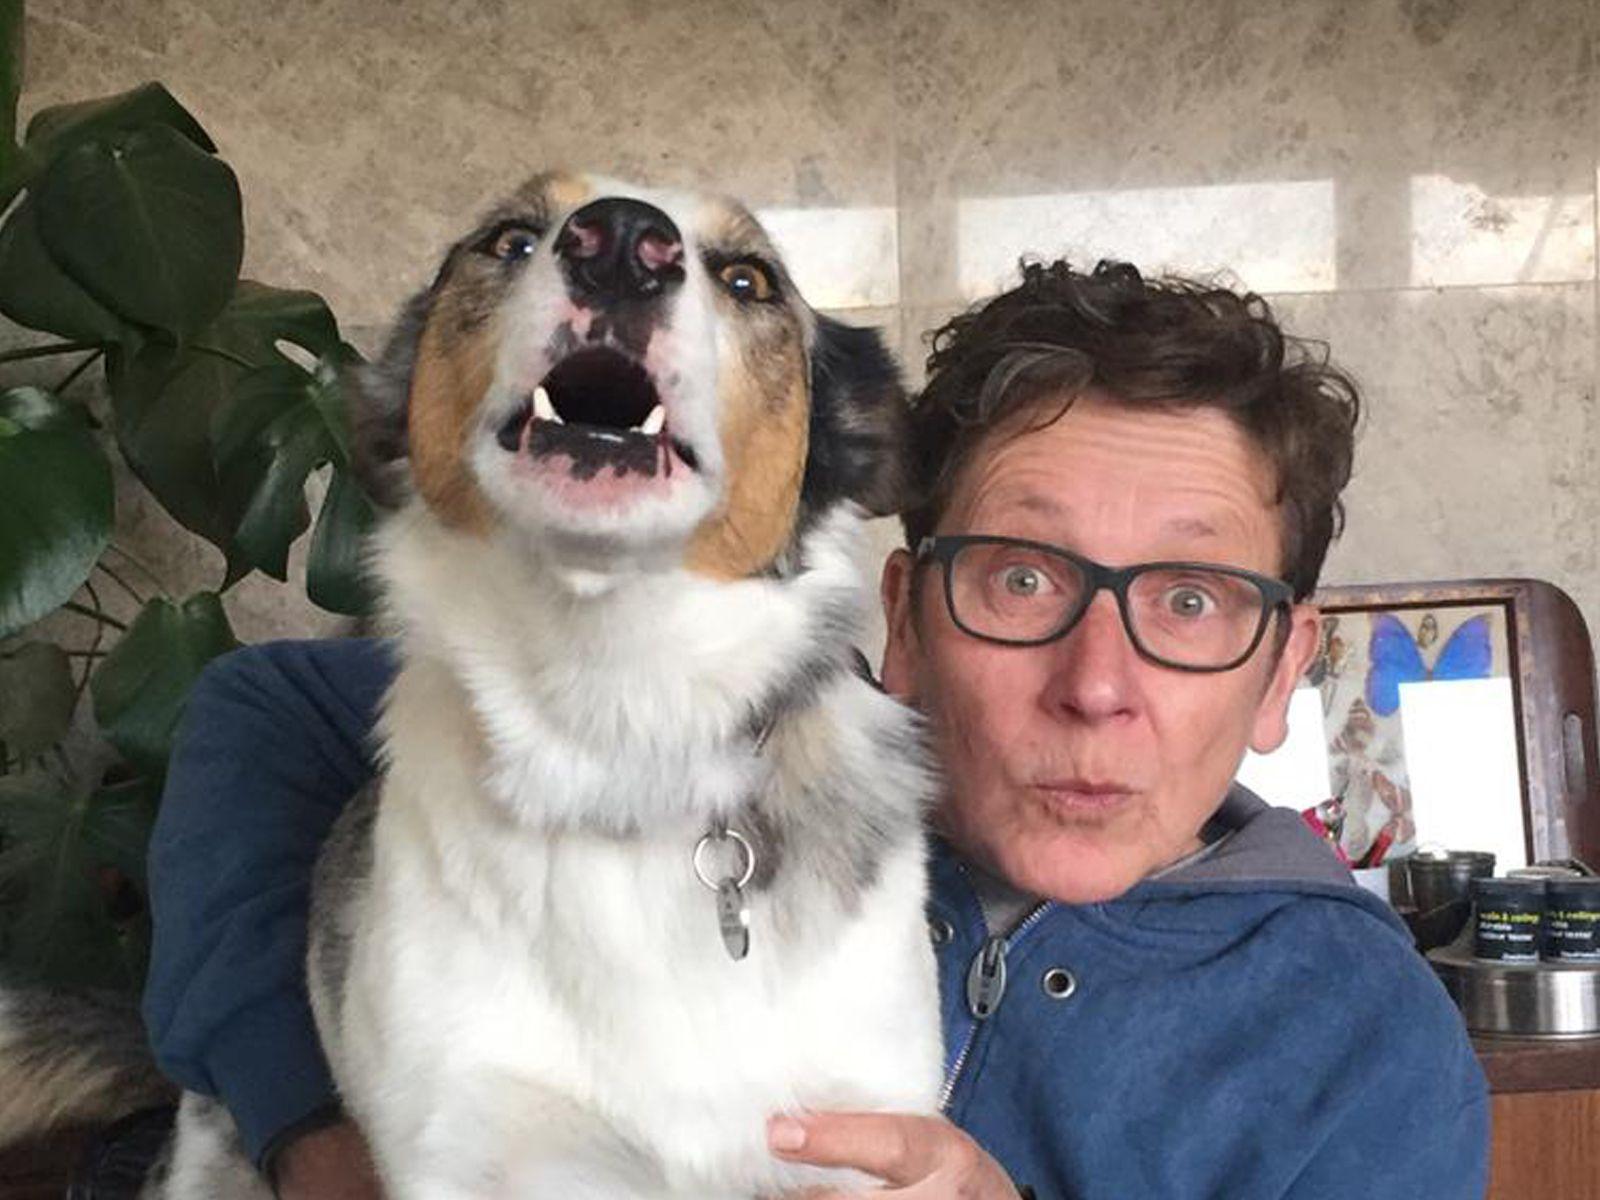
[539,1001]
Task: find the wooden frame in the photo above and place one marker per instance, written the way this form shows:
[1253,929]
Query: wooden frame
[1554,695]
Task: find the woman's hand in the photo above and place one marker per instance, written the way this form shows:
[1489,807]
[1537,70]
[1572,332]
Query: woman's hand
[919,1158]
[330,1163]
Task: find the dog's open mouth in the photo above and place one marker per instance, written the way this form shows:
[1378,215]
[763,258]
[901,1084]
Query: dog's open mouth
[598,408]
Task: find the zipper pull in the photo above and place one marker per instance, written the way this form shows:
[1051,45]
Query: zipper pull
[986,979]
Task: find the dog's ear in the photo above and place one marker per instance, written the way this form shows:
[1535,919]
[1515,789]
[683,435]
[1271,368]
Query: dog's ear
[380,407]
[858,422]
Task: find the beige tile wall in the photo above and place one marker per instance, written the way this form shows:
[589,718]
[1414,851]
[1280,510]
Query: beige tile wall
[1412,180]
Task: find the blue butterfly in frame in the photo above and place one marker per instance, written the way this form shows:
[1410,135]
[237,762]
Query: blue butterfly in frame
[1395,658]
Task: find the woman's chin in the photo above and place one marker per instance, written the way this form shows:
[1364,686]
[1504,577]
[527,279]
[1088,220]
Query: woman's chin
[1073,868]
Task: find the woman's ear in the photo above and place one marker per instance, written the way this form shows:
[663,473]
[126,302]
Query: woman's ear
[1299,647]
[901,649]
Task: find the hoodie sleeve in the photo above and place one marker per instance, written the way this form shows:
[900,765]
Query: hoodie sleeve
[1413,1114]
[1436,1148]
[276,738]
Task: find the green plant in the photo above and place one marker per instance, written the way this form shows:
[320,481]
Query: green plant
[123,242]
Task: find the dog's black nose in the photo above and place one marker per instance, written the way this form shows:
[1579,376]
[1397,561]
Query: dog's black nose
[621,249]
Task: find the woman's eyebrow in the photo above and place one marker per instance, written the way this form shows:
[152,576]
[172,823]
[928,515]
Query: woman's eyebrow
[1188,526]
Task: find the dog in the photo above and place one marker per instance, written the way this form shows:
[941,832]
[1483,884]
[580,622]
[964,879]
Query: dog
[645,864]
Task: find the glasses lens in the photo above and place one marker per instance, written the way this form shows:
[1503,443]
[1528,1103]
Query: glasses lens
[1194,617]
[1014,593]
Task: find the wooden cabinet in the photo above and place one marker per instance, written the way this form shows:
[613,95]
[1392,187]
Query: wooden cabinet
[1545,1099]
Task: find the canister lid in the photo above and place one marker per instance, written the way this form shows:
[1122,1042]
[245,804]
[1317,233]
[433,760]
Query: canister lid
[1584,890]
[1508,888]
[1544,872]
[1452,861]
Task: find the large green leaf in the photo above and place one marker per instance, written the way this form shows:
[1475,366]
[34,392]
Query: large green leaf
[148,223]
[56,505]
[141,687]
[333,369]
[118,836]
[162,401]
[10,81]
[287,423]
[167,401]
[259,316]
[257,400]
[336,575]
[63,858]
[291,446]
[37,697]
[58,129]
[53,129]
[36,292]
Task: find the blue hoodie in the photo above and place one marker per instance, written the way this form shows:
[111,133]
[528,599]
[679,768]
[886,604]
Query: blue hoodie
[1249,1025]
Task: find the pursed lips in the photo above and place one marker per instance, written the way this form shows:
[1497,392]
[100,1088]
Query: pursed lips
[1086,796]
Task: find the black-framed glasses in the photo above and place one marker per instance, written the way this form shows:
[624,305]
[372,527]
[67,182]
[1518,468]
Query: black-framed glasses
[1185,615]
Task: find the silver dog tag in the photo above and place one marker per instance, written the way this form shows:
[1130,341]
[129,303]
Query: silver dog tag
[733,916]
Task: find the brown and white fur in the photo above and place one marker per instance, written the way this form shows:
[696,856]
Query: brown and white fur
[518,979]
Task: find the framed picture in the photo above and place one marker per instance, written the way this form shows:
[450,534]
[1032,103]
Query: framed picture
[1460,714]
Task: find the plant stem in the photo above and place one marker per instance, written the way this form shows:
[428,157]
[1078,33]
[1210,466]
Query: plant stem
[225,355]
[124,785]
[46,351]
[94,614]
[143,568]
[72,375]
[94,647]
[121,583]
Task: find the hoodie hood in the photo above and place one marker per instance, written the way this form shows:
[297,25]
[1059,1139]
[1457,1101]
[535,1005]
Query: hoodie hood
[1254,841]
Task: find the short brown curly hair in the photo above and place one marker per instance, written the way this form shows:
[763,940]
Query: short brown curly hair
[1167,343]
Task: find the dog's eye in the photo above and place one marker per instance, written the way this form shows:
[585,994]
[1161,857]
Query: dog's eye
[746,281]
[514,244]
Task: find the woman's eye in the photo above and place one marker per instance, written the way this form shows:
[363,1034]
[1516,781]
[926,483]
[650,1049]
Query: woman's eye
[746,281]
[512,245]
[1022,581]
[1188,602]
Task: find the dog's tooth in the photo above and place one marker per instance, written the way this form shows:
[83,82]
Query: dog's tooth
[653,423]
[542,408]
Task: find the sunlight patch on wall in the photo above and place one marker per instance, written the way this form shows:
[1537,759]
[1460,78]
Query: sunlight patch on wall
[839,257]
[1270,237]
[1463,236]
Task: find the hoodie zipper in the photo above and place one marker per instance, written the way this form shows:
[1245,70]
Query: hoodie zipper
[986,985]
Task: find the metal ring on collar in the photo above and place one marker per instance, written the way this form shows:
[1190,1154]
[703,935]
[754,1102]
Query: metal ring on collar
[724,835]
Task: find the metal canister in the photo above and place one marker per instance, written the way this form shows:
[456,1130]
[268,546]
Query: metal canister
[1510,919]
[1572,920]
[1438,879]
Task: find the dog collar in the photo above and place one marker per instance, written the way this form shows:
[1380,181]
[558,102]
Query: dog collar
[733,910]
